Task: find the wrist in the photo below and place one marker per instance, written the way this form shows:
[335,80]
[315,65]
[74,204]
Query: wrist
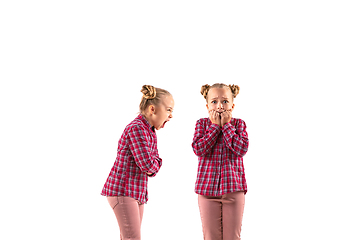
[225,124]
[215,124]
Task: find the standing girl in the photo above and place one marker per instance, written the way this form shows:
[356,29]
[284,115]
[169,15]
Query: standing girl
[137,158]
[220,142]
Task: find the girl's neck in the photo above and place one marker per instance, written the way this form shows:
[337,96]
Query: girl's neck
[146,118]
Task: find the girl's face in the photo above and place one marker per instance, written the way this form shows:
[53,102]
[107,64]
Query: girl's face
[162,113]
[220,100]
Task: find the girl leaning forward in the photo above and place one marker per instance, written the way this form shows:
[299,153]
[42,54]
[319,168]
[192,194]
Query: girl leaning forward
[137,159]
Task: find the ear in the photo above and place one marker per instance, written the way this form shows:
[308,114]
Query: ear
[151,109]
[232,108]
[207,106]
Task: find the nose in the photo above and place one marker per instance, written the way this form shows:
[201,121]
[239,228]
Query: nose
[170,116]
[219,105]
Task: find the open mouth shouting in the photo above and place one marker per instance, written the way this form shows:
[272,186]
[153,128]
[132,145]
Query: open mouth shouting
[164,124]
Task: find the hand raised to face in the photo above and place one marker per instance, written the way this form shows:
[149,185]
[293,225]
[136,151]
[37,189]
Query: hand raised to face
[215,117]
[225,117]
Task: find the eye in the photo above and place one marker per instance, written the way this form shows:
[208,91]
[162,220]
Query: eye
[213,101]
[226,101]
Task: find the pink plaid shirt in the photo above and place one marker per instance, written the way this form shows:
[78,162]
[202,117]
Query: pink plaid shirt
[220,152]
[137,155]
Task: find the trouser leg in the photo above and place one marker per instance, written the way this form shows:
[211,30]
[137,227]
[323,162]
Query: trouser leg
[210,212]
[129,214]
[233,209]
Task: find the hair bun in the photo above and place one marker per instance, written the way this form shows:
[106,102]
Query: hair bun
[204,90]
[235,89]
[149,92]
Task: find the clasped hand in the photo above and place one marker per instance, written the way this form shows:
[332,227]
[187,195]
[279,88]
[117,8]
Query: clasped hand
[220,118]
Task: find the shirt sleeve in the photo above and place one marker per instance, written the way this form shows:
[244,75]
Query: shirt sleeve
[203,141]
[236,138]
[159,160]
[142,152]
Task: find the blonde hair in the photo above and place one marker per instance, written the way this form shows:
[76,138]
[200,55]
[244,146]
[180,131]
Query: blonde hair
[235,89]
[151,96]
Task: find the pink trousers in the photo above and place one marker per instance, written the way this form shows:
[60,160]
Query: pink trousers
[222,216]
[129,213]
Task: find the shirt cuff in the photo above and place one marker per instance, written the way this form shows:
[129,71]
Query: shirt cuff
[228,128]
[155,169]
[214,125]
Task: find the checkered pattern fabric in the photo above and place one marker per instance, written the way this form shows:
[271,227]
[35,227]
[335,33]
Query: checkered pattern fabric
[137,155]
[220,152]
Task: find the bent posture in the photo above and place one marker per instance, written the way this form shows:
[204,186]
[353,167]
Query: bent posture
[137,159]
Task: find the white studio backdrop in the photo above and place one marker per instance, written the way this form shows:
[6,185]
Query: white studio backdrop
[71,74]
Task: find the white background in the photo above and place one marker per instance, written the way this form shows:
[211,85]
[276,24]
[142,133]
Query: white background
[71,74]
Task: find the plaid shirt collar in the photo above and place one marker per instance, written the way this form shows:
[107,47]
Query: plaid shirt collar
[146,123]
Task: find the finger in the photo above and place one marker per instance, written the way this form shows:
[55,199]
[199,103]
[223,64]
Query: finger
[211,113]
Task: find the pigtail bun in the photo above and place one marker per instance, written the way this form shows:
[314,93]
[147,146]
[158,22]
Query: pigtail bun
[149,92]
[151,96]
[204,90]
[235,89]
